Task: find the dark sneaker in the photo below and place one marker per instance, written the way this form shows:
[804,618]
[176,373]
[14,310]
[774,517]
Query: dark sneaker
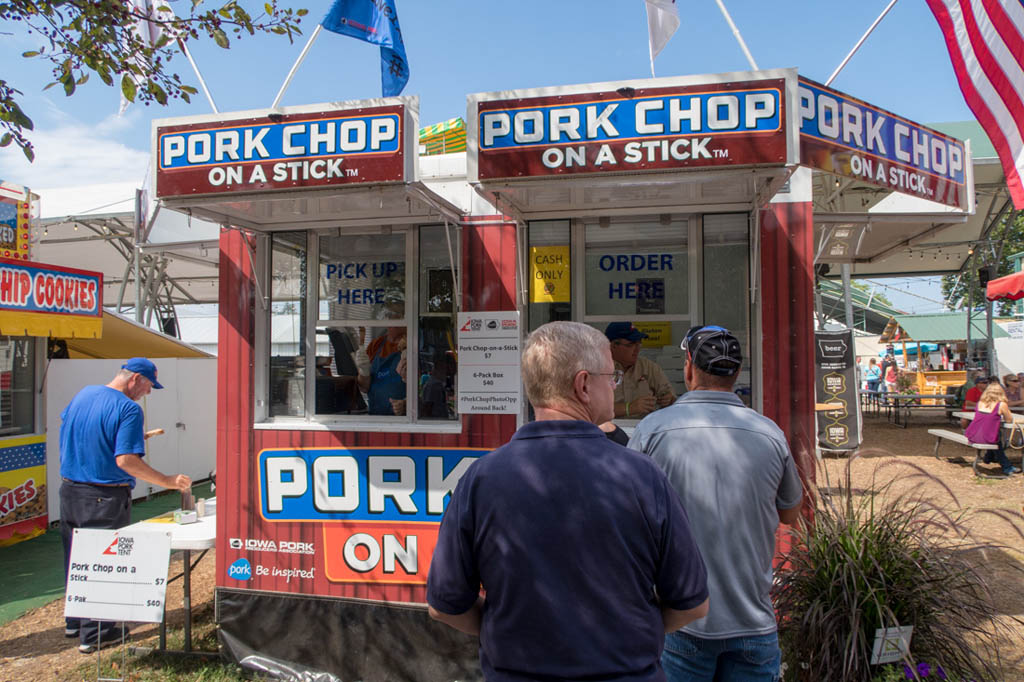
[110,638]
[71,632]
[1012,470]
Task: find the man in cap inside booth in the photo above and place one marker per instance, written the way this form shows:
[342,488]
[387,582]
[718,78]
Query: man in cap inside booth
[734,473]
[644,387]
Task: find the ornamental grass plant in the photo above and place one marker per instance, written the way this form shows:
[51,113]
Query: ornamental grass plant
[898,552]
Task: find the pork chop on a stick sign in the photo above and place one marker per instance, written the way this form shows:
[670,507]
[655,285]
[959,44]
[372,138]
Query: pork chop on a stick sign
[305,147]
[737,119]
[849,137]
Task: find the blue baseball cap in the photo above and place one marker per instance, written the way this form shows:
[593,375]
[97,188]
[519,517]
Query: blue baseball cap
[144,367]
[623,330]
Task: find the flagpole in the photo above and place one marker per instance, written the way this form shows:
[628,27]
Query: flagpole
[295,66]
[736,32]
[202,83]
[859,43]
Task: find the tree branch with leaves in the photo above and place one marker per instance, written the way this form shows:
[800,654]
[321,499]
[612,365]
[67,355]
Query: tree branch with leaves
[129,43]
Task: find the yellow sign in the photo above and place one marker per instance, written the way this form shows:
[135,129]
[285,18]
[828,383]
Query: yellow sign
[658,333]
[549,274]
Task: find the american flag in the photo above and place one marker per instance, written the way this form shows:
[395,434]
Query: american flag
[985,39]
[22,456]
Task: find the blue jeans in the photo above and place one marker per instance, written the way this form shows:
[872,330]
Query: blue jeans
[739,659]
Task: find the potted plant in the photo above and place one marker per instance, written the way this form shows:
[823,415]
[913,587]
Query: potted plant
[882,557]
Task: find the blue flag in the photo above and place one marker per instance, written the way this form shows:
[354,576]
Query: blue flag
[375,21]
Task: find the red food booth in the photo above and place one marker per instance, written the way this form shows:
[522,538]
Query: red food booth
[664,202]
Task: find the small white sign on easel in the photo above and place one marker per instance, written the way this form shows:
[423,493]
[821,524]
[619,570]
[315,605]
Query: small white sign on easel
[891,644]
[117,575]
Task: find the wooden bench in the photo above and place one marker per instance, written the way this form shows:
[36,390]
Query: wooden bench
[979,448]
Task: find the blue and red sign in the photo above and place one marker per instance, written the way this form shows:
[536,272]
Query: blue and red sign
[630,129]
[36,288]
[848,137]
[275,151]
[380,508]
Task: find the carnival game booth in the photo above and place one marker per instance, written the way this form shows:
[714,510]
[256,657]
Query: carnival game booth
[942,343]
[37,302]
[642,201]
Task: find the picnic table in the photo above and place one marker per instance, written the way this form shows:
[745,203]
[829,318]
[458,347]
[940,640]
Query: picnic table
[903,403]
[969,416]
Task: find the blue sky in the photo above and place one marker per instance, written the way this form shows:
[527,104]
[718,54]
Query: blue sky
[456,47]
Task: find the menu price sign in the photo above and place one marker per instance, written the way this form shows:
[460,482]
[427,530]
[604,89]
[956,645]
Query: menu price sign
[489,363]
[117,576]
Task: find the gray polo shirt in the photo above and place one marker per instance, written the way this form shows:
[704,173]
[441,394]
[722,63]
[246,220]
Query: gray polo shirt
[733,470]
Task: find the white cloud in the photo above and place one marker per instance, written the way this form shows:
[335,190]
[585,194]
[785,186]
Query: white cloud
[70,152]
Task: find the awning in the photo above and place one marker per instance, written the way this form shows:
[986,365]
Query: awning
[21,323]
[443,138]
[939,328]
[1010,287]
[124,338]
[395,203]
[881,233]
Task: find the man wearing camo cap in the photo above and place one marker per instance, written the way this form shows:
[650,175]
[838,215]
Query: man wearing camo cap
[737,480]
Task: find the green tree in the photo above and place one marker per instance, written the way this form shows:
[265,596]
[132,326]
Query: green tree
[84,37]
[1005,240]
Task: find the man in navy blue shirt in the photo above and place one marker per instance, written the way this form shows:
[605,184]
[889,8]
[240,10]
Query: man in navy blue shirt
[580,545]
[101,449]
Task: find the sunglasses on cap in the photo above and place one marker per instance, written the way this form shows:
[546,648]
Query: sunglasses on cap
[703,327]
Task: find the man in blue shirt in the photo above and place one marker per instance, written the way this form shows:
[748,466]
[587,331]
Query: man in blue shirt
[581,546]
[735,475]
[101,449]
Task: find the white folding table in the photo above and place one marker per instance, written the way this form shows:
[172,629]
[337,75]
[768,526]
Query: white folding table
[199,536]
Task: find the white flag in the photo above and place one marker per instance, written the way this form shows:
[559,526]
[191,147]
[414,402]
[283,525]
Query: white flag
[662,22]
[148,32]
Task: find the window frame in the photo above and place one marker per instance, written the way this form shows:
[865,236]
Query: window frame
[408,423]
[695,277]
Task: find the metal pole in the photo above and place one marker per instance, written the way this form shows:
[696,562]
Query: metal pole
[138,255]
[736,32]
[859,43]
[970,306]
[847,297]
[295,66]
[202,83]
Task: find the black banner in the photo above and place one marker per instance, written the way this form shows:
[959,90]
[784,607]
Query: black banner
[835,381]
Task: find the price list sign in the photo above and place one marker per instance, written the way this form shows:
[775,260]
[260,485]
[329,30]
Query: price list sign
[117,576]
[489,363]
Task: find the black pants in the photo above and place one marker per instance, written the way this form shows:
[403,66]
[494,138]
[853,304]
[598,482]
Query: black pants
[91,506]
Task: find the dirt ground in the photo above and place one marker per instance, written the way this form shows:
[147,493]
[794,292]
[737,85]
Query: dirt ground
[34,649]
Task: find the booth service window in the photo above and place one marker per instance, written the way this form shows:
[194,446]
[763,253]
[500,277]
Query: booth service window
[17,385]
[663,274]
[383,326]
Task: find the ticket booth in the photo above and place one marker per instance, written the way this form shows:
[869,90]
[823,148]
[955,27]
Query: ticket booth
[644,201]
